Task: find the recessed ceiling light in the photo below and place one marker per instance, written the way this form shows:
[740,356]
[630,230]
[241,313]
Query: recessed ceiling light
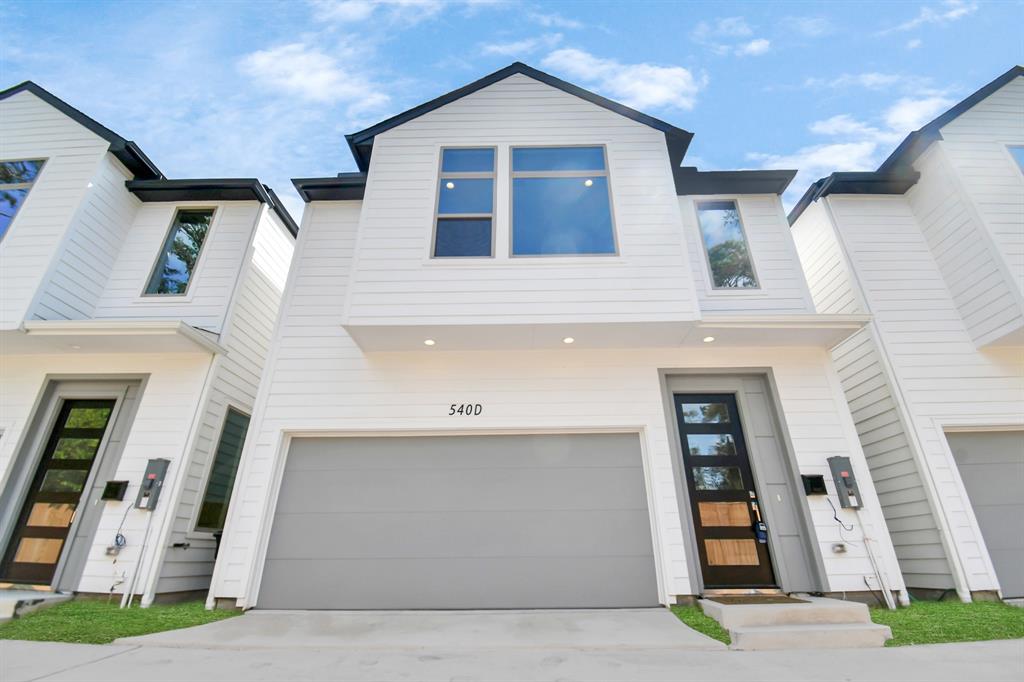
[568,339]
[708,339]
[450,185]
[588,182]
[428,342]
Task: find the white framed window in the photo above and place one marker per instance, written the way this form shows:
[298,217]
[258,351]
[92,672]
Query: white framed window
[16,179]
[561,202]
[179,255]
[213,508]
[464,219]
[726,250]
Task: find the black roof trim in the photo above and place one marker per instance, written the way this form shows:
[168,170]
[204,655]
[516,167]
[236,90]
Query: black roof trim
[212,189]
[689,180]
[344,187]
[361,143]
[126,151]
[862,182]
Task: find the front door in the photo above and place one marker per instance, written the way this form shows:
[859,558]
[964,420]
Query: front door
[726,513]
[56,491]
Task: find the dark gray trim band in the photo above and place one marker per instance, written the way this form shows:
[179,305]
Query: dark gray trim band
[868,182]
[343,187]
[689,180]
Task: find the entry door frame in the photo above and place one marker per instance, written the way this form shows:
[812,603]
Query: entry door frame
[729,381]
[29,452]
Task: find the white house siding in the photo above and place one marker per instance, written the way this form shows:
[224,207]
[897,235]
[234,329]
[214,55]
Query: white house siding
[965,252]
[829,279]
[395,282]
[206,302]
[319,381]
[32,129]
[975,143]
[160,429]
[87,255]
[782,286]
[234,382]
[944,379]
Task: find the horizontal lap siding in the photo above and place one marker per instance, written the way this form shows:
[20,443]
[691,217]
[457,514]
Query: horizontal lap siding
[944,377]
[32,129]
[394,281]
[832,285]
[319,380]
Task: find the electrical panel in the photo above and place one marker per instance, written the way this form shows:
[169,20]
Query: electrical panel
[152,483]
[846,482]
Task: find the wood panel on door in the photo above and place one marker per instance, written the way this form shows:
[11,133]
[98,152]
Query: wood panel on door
[56,491]
[722,492]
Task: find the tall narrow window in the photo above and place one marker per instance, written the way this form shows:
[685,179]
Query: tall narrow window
[726,245]
[16,178]
[560,202]
[465,204]
[177,262]
[214,508]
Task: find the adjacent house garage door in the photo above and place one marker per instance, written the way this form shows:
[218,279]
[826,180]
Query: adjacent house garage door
[991,464]
[461,522]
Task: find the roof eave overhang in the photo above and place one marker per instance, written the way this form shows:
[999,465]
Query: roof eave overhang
[689,180]
[343,187]
[868,182]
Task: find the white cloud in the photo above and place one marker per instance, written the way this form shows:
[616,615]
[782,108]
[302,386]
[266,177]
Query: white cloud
[812,27]
[525,46]
[345,11]
[872,80]
[943,13]
[914,44]
[641,86]
[755,47]
[553,20]
[406,12]
[910,114]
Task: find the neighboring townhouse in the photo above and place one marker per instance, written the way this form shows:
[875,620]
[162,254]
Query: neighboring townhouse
[136,313]
[527,359]
[931,245]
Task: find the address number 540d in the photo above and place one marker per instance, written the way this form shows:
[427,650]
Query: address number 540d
[465,409]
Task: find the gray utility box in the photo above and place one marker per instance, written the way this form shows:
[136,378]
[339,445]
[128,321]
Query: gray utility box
[152,484]
[846,482]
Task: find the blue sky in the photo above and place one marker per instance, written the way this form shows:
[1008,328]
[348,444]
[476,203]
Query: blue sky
[268,89]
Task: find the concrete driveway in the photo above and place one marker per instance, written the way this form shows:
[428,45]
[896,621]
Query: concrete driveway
[593,629]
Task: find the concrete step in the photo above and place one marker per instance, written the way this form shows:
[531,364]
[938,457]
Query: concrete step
[14,603]
[834,636]
[816,610]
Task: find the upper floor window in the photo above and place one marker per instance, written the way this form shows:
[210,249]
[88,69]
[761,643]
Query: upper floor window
[725,245]
[465,204]
[1018,155]
[213,510]
[181,249]
[16,178]
[560,202]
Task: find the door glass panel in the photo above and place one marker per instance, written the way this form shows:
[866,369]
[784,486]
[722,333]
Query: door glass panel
[87,418]
[705,413]
[64,481]
[731,552]
[51,514]
[38,551]
[710,444]
[76,448]
[724,514]
[717,478]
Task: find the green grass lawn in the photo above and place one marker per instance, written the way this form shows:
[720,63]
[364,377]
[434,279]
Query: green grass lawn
[88,621]
[706,625]
[929,622]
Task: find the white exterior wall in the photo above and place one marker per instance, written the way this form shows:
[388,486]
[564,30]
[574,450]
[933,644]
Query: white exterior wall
[783,288]
[318,381]
[395,282]
[32,129]
[831,283]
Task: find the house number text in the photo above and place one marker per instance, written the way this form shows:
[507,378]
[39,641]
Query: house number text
[465,409]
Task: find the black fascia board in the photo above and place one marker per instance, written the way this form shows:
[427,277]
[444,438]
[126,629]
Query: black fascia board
[126,151]
[343,187]
[689,180]
[212,189]
[361,143]
[864,182]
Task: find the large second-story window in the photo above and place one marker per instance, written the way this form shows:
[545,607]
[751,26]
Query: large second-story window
[465,204]
[180,253]
[725,245]
[560,202]
[16,178]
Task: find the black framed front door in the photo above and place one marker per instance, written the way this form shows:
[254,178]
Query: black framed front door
[55,494]
[732,547]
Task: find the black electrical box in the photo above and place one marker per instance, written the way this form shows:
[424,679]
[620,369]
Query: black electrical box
[814,484]
[114,490]
[846,482]
[152,483]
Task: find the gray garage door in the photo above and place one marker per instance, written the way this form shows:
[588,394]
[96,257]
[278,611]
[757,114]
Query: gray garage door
[461,522]
[991,465]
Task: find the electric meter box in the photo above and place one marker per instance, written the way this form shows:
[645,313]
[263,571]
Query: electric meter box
[152,484]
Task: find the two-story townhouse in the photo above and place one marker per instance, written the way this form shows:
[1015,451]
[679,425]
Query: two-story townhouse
[931,245]
[136,313]
[527,359]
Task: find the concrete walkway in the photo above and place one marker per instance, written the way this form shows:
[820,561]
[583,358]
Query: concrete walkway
[978,662]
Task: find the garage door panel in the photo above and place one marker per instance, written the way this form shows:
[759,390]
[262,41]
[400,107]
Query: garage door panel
[483,583]
[454,534]
[512,489]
